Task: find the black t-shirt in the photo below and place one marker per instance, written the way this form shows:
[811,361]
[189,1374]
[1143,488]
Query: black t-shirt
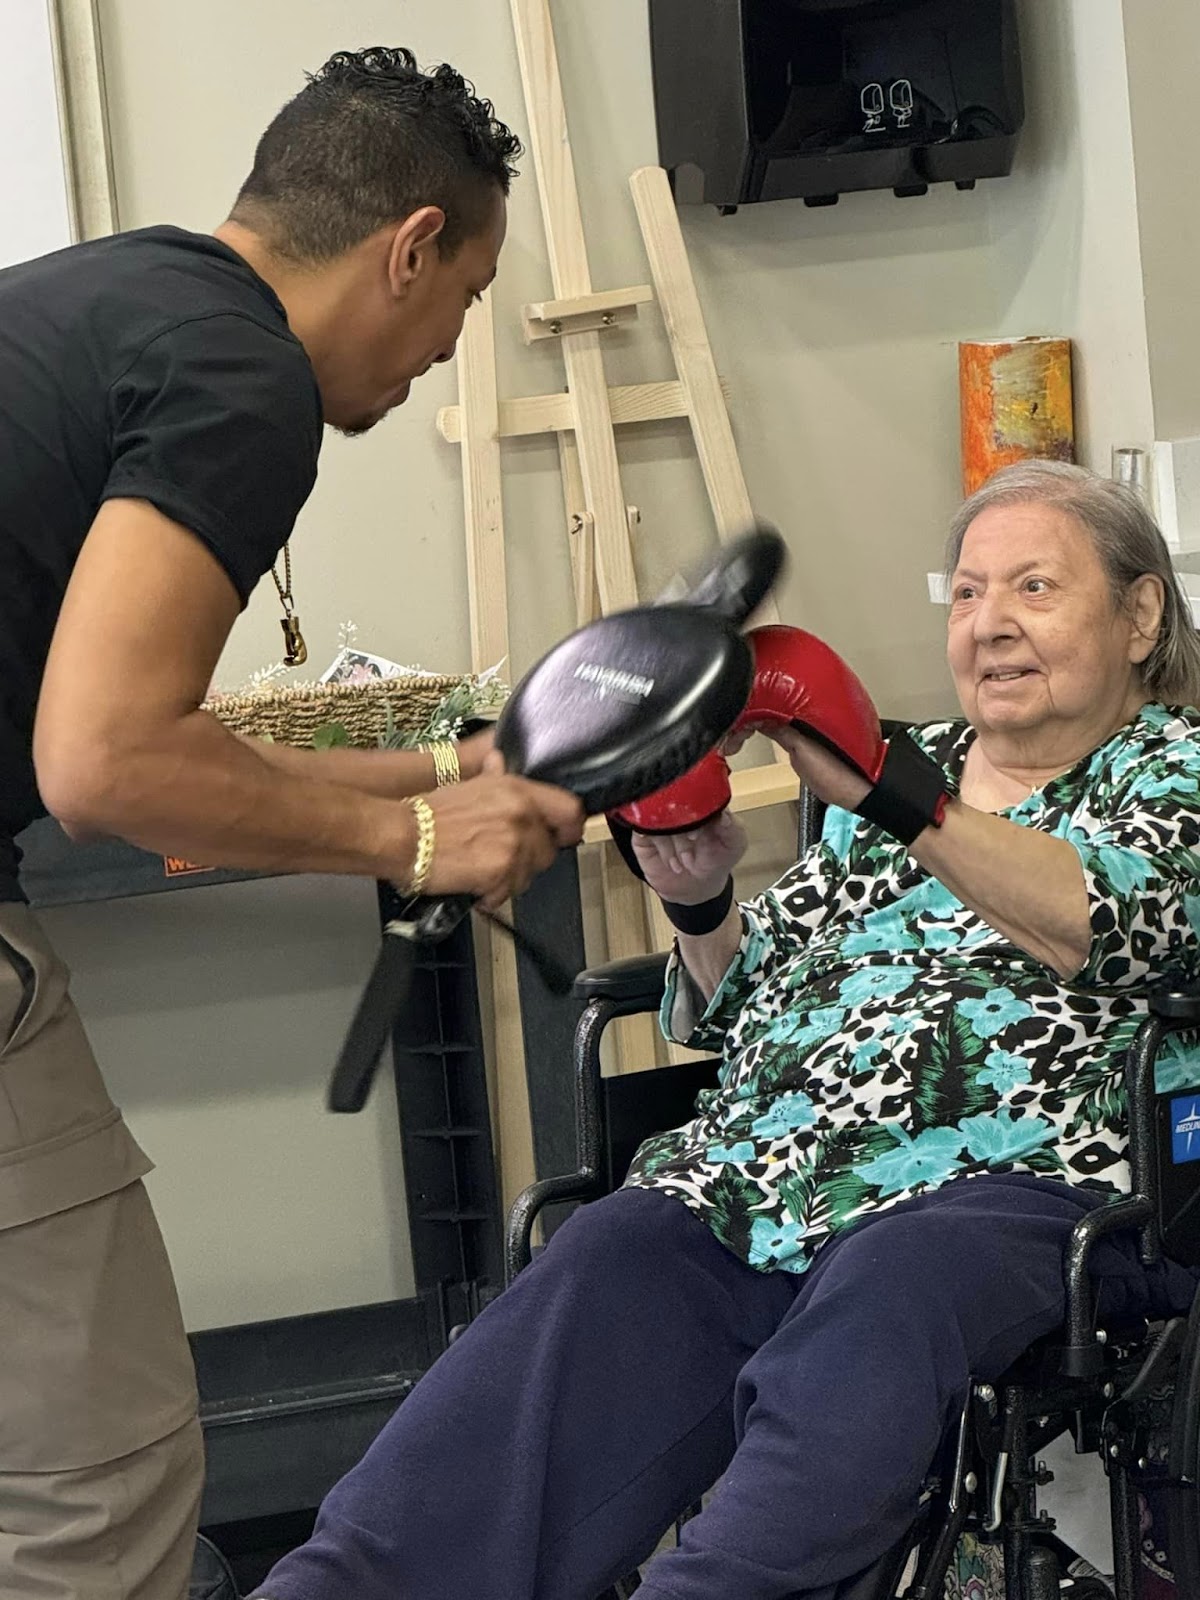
[155,365]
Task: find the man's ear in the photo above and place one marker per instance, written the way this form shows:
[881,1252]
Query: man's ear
[413,245]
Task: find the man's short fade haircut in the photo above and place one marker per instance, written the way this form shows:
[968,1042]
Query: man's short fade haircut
[369,140]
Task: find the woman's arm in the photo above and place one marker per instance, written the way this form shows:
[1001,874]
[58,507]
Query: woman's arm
[1073,903]
[688,869]
[707,956]
[1025,884]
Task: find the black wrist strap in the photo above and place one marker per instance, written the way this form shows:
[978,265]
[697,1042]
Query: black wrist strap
[704,918]
[910,795]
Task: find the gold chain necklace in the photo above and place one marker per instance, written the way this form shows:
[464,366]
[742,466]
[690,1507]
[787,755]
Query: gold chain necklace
[295,651]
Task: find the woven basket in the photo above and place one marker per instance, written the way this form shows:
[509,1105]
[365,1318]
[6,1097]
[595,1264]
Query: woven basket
[293,713]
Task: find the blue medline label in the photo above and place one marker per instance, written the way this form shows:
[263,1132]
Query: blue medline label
[1185,1128]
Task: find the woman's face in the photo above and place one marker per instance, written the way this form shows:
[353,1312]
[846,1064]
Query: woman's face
[1044,665]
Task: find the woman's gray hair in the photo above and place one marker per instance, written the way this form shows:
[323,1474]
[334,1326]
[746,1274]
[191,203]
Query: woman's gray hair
[1129,544]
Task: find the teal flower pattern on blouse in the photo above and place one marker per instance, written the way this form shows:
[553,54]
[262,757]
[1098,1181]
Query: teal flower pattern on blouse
[887,930]
[1003,1137]
[774,1241]
[875,983]
[1003,1071]
[993,1012]
[718,1154]
[790,1112]
[797,1029]
[930,1159]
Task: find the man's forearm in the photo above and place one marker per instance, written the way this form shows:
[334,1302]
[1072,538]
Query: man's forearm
[196,790]
[389,774]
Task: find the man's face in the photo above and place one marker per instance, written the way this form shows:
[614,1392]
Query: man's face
[413,323]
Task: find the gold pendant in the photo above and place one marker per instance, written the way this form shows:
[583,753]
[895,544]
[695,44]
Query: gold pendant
[295,652]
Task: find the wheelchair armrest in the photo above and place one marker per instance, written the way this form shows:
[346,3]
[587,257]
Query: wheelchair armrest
[1176,1009]
[632,985]
[518,1229]
[1082,1354]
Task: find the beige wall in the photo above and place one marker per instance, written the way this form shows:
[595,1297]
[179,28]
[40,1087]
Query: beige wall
[216,1014]
[836,331]
[1163,43]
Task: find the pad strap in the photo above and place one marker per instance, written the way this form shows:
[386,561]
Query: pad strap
[910,794]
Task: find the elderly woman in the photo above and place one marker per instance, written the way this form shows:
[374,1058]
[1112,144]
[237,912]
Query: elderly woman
[920,1097]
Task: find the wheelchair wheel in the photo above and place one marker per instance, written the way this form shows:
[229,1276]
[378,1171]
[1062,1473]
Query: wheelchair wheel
[1183,1510]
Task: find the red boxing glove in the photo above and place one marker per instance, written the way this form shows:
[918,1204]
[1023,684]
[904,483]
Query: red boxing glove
[797,680]
[801,681]
[696,798]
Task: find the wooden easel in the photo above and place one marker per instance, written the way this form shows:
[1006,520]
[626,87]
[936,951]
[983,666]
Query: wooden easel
[584,420]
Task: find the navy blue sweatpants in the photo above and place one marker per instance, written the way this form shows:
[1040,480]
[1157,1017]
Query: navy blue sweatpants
[637,1360]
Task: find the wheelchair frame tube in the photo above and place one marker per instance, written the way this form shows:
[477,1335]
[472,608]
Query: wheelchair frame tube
[1083,1354]
[1139,1093]
[584,1183]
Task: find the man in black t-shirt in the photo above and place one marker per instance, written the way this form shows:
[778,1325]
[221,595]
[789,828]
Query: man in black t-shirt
[162,398]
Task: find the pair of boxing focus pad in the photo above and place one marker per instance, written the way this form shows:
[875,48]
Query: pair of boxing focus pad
[798,681]
[627,713]
[614,712]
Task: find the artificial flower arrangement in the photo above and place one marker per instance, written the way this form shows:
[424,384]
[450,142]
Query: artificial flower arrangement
[360,700]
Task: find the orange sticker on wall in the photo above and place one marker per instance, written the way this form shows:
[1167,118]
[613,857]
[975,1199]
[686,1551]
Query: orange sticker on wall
[1015,403]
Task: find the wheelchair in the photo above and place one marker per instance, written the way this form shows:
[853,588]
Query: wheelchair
[1130,1395]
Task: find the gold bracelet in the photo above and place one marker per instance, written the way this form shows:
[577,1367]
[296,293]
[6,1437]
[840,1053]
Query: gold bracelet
[426,839]
[446,768]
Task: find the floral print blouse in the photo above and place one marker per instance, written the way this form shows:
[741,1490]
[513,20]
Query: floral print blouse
[879,1039]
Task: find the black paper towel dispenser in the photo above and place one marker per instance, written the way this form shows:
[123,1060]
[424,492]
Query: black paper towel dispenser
[787,99]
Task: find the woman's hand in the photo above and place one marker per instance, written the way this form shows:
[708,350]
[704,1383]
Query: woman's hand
[689,868]
[829,777]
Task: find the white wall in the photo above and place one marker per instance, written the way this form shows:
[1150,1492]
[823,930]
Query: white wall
[34,217]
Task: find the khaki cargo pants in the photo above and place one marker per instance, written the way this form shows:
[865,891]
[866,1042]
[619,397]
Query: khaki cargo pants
[101,1461]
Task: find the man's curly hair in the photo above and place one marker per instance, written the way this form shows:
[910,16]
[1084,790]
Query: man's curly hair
[368,140]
